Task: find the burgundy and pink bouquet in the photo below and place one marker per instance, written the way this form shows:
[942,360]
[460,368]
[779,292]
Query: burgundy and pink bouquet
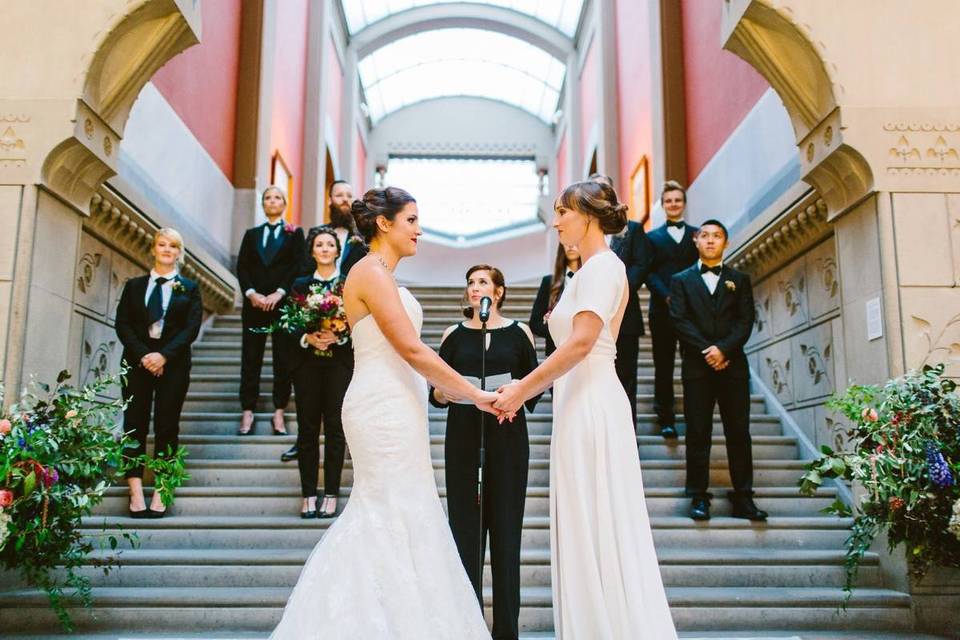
[320,309]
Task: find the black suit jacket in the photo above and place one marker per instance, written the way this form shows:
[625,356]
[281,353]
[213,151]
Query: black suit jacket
[353,250]
[265,277]
[540,307]
[299,356]
[724,319]
[667,258]
[181,323]
[633,248]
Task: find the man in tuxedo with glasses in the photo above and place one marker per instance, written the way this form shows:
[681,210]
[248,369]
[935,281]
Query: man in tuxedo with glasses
[712,309]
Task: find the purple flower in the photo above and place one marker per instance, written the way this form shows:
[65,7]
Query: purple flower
[937,467]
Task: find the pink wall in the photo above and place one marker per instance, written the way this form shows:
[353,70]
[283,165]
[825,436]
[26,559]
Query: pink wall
[719,87]
[562,179]
[335,91]
[589,108]
[360,171]
[201,83]
[633,90]
[289,91]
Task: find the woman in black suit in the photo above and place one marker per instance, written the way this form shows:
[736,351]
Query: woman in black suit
[158,318]
[510,355]
[567,263]
[320,384]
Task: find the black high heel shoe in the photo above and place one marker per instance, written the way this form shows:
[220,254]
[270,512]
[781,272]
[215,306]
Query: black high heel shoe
[323,513]
[139,515]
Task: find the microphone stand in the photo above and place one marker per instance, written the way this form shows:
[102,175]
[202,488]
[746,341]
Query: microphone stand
[483,417]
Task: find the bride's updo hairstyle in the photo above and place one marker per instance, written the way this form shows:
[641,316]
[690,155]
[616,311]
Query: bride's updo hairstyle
[386,202]
[596,200]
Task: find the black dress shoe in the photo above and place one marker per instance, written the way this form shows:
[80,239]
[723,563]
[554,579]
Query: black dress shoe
[290,454]
[668,431]
[700,508]
[744,507]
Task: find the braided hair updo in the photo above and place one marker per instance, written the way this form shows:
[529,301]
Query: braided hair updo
[386,202]
[597,200]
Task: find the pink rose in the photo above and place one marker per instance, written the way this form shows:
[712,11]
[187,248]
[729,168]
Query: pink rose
[71,414]
[5,427]
[6,497]
[870,415]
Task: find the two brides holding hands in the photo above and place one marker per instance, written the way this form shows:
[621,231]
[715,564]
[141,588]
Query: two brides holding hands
[388,567]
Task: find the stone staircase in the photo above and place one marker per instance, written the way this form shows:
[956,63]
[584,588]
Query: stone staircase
[226,558]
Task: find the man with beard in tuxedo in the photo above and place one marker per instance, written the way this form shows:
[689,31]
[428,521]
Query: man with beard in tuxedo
[341,219]
[711,305]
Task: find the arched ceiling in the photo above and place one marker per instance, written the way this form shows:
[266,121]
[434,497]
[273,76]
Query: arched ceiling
[468,62]
[563,15]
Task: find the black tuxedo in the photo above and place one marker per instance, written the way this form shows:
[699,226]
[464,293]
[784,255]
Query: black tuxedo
[723,319]
[265,274]
[540,307]
[633,248]
[667,258]
[143,390]
[320,384]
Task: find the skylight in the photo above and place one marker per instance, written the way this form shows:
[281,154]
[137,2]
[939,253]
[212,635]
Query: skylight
[563,15]
[461,62]
[466,197]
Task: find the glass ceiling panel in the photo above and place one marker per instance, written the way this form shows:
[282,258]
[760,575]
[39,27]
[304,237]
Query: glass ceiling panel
[503,192]
[461,62]
[563,15]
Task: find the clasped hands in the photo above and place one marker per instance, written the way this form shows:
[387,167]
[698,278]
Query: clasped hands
[321,340]
[504,403]
[265,303]
[153,362]
[715,358]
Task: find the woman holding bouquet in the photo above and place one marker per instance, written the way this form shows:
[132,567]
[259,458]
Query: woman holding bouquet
[322,365]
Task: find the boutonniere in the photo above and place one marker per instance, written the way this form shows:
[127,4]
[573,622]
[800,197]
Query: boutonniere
[289,228]
[731,287]
[178,286]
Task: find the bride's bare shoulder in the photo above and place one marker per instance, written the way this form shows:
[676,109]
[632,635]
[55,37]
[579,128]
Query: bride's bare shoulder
[366,274]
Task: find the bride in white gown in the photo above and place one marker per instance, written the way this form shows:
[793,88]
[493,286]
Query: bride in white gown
[605,576]
[388,568]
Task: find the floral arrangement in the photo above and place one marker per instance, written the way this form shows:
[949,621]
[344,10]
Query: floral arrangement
[58,456]
[320,309]
[904,452]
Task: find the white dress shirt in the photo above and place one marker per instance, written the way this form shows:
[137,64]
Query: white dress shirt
[676,233]
[166,292]
[710,278]
[317,276]
[568,276]
[342,235]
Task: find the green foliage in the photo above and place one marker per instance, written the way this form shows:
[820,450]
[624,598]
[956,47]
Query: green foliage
[58,455]
[169,472]
[904,451]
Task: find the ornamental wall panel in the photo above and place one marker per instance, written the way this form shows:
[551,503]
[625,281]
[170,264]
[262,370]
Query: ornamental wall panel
[812,354]
[92,281]
[775,370]
[121,270]
[100,353]
[931,327]
[789,294]
[823,280]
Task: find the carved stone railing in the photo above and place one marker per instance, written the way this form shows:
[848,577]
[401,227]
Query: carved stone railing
[789,235]
[122,226]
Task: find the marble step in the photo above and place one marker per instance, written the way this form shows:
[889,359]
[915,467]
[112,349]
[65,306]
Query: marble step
[242,530]
[283,500]
[707,608]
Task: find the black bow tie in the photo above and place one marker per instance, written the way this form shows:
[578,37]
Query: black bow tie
[704,268]
[569,274]
[678,225]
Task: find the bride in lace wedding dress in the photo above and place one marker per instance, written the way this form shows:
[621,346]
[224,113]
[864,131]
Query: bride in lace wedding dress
[388,568]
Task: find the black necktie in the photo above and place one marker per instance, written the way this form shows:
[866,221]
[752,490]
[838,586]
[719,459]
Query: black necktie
[678,224]
[155,302]
[326,284]
[273,242]
[569,274]
[704,268]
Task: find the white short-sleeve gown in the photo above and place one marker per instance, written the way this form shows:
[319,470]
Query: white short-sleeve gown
[388,568]
[606,579]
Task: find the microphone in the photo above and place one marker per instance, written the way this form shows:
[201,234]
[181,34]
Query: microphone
[485,303]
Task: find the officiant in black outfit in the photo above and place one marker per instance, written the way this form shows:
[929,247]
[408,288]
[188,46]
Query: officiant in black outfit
[510,356]
[712,309]
[566,264]
[320,383]
[269,260]
[158,318]
[672,250]
[352,248]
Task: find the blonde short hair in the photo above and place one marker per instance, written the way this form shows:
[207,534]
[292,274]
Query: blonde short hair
[170,234]
[273,187]
[673,185]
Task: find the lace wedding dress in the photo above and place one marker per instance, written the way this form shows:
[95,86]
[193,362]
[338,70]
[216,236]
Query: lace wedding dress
[606,579]
[388,568]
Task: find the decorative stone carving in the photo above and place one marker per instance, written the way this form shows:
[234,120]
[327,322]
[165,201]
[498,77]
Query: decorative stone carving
[812,354]
[923,148]
[789,297]
[466,149]
[775,366]
[823,279]
[100,352]
[121,270]
[794,232]
[931,327]
[93,275]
